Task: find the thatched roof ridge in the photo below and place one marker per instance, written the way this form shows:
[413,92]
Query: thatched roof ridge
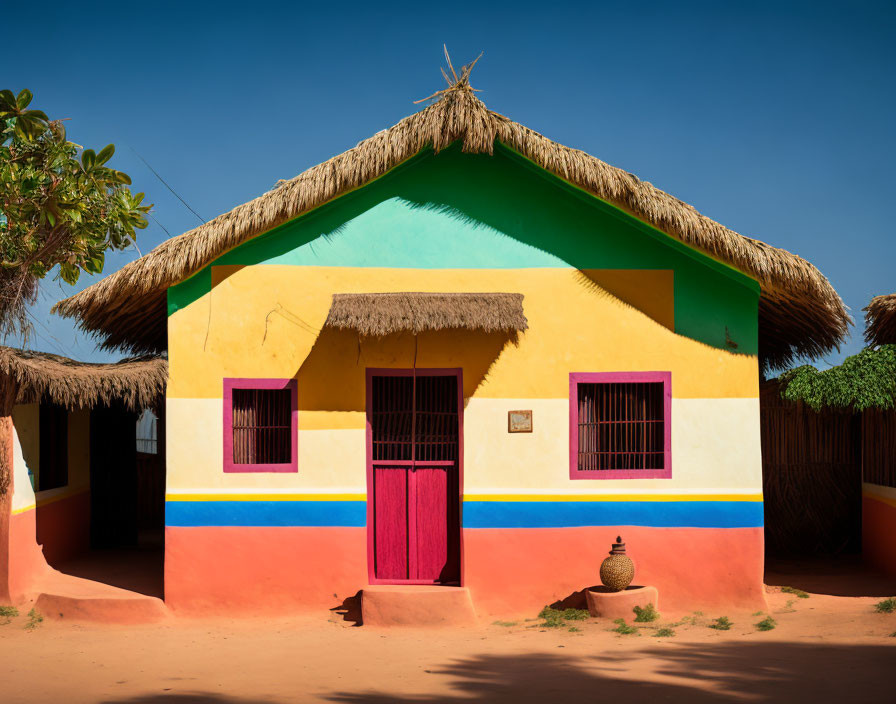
[800,312]
[136,383]
[378,314]
[880,320]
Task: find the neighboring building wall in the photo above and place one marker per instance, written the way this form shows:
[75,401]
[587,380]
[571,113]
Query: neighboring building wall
[603,292]
[26,561]
[879,526]
[62,514]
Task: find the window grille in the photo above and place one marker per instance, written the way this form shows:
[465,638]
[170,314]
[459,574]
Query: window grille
[261,426]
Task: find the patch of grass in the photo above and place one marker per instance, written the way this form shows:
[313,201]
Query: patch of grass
[893,634]
[664,633]
[623,628]
[35,618]
[555,618]
[759,613]
[646,614]
[767,624]
[506,624]
[7,613]
[575,629]
[887,606]
[796,592]
[788,608]
[721,624]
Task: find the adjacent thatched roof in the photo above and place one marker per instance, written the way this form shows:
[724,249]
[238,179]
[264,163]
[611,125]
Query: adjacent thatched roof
[379,314]
[800,312]
[880,320]
[136,383]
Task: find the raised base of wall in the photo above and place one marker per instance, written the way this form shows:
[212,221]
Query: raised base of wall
[879,529]
[26,561]
[508,571]
[63,526]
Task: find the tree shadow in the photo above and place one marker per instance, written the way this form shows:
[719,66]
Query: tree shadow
[691,673]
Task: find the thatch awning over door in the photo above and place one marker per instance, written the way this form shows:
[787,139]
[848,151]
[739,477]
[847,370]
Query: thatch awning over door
[378,314]
[880,320]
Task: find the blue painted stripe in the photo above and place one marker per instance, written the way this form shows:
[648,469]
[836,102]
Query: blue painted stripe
[478,514]
[659,514]
[266,513]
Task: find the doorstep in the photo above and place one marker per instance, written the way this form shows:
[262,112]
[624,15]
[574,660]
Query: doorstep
[416,605]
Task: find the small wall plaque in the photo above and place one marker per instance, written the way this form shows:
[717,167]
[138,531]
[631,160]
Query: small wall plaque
[519,421]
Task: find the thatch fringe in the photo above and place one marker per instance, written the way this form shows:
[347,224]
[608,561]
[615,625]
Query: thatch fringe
[136,383]
[800,312]
[378,314]
[880,320]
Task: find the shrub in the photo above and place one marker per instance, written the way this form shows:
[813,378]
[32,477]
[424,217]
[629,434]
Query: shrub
[664,633]
[554,618]
[767,624]
[646,614]
[887,606]
[623,628]
[721,624]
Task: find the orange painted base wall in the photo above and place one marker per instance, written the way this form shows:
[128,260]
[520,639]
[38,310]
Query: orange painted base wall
[26,561]
[879,533]
[63,527]
[508,571]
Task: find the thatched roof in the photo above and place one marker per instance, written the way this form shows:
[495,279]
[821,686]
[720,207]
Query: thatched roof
[800,312]
[136,383]
[379,314]
[880,320]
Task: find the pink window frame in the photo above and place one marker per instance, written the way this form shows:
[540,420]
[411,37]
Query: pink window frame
[371,547]
[239,383]
[577,378]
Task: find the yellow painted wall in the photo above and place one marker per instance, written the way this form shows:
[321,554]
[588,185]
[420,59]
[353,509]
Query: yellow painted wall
[265,321]
[26,418]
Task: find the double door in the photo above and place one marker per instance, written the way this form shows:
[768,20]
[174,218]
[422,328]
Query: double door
[413,430]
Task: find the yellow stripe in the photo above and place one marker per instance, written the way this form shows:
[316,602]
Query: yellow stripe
[612,497]
[266,497]
[16,511]
[473,497]
[878,497]
[60,497]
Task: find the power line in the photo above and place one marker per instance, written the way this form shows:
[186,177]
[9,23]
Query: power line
[176,194]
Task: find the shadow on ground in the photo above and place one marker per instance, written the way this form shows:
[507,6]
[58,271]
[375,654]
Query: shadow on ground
[691,673]
[186,698]
[846,575]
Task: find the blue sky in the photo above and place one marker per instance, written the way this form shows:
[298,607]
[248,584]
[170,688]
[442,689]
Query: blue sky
[776,119]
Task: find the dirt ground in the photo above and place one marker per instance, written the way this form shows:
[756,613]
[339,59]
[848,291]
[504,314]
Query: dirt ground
[824,649]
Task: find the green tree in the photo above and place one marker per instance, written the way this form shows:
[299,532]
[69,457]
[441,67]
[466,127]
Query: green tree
[61,208]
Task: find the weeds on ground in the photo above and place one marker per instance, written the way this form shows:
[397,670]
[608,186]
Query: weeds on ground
[721,624]
[623,628]
[554,618]
[767,624]
[788,608]
[646,614]
[575,629]
[7,613]
[893,634]
[796,592]
[506,624]
[887,606]
[664,633]
[35,618]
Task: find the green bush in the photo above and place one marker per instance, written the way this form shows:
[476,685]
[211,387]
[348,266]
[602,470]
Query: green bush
[623,628]
[646,614]
[767,624]
[721,624]
[887,606]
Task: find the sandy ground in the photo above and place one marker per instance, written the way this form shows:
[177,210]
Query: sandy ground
[824,649]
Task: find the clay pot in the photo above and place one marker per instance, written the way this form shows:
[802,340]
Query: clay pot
[617,571]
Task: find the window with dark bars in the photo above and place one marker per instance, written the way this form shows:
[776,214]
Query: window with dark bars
[262,426]
[621,426]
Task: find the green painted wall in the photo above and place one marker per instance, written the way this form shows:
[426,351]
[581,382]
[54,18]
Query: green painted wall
[456,210]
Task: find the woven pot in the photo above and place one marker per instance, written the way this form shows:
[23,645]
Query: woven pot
[617,571]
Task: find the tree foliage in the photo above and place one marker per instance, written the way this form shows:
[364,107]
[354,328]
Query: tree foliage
[865,380]
[60,206]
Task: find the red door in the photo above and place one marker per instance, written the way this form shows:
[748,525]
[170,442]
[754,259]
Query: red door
[413,428]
